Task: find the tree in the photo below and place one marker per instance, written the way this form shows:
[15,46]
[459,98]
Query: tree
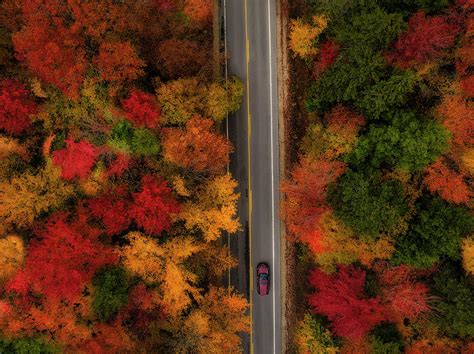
[110,292]
[29,195]
[144,142]
[408,143]
[154,206]
[340,245]
[26,345]
[456,116]
[76,160]
[387,95]
[341,298]
[199,12]
[52,50]
[214,209]
[328,54]
[313,338]
[118,62]
[112,208]
[64,258]
[141,109]
[163,263]
[467,86]
[305,198]
[303,36]
[435,232]
[447,183]
[368,204]
[198,146]
[180,57]
[16,107]
[404,296]
[468,254]
[222,100]
[12,254]
[456,298]
[338,137]
[425,39]
[180,100]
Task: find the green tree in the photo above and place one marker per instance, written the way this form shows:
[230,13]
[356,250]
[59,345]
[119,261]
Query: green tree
[388,94]
[121,136]
[145,142]
[26,346]
[409,142]
[436,231]
[367,203]
[454,309]
[111,289]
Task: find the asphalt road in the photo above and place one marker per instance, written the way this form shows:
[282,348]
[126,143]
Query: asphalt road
[251,47]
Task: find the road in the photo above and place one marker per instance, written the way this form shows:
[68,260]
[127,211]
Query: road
[250,32]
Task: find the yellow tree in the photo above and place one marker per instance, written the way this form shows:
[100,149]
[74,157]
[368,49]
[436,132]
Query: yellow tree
[222,100]
[29,195]
[341,246]
[214,209]
[9,146]
[303,36]
[163,264]
[12,253]
[468,254]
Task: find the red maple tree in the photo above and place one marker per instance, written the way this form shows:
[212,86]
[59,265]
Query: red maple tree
[154,205]
[15,107]
[119,165]
[305,201]
[341,298]
[112,209]
[76,160]
[425,39]
[404,296]
[141,109]
[63,259]
[467,85]
[447,183]
[329,51]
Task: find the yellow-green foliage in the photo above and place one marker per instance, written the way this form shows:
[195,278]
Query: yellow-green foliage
[468,254]
[312,338]
[29,195]
[224,99]
[341,246]
[12,254]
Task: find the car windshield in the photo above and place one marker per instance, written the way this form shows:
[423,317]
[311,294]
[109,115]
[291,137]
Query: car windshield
[263,276]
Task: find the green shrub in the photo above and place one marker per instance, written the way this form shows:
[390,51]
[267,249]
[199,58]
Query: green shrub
[110,292]
[436,231]
[368,204]
[26,346]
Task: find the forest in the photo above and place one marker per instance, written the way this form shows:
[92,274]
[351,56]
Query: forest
[378,199]
[113,184]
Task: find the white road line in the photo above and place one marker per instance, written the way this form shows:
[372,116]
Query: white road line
[271,164]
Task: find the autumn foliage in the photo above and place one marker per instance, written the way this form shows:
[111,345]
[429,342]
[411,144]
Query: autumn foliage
[305,198]
[16,107]
[141,109]
[153,205]
[190,147]
[450,185]
[328,53]
[425,39]
[341,298]
[76,160]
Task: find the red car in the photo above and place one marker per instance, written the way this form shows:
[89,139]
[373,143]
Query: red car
[263,279]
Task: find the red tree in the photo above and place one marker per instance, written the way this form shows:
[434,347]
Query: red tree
[63,260]
[154,205]
[425,39]
[112,208]
[76,160]
[448,184]
[305,201]
[118,165]
[199,146]
[141,109]
[52,50]
[467,85]
[404,296]
[118,62]
[15,107]
[341,298]
[328,53]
